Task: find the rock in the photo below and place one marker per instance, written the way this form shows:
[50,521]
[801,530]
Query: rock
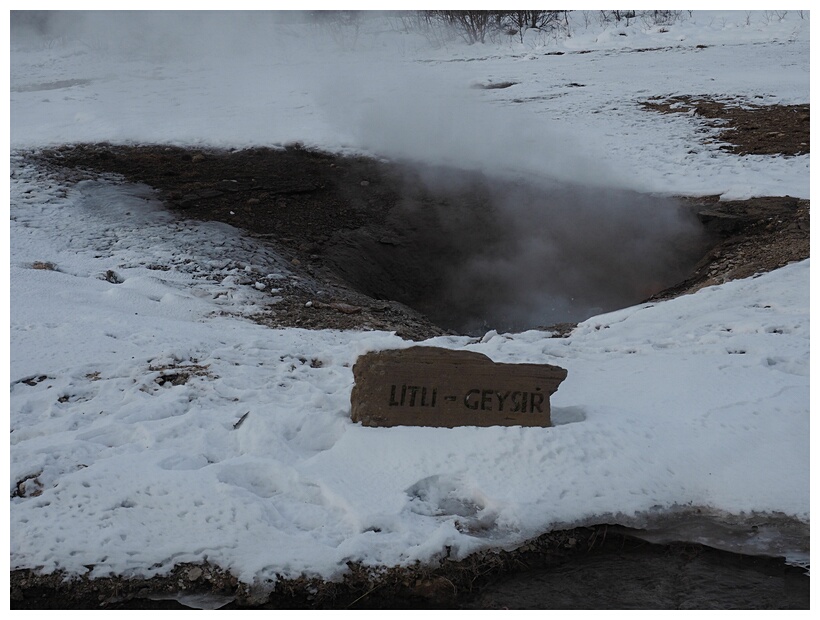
[340,306]
[430,386]
[209,193]
[437,590]
[44,266]
[721,223]
[111,276]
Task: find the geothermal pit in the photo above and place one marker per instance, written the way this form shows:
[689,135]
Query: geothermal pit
[423,249]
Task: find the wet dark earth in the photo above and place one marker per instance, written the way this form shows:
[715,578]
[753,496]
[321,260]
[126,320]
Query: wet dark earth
[584,568]
[653,578]
[423,252]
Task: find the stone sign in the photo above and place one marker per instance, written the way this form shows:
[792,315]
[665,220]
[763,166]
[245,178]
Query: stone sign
[429,386]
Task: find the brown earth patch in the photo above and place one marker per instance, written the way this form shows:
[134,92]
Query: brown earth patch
[745,128]
[293,200]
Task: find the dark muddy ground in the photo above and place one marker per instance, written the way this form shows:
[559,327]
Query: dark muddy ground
[327,214]
[584,568]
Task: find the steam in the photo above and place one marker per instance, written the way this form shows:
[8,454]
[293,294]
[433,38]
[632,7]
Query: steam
[480,252]
[565,253]
[508,221]
[162,36]
[285,70]
[409,112]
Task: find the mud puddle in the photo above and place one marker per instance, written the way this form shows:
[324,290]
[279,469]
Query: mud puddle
[652,577]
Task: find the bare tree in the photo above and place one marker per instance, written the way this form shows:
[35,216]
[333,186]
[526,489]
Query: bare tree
[476,26]
[473,26]
[618,16]
[660,18]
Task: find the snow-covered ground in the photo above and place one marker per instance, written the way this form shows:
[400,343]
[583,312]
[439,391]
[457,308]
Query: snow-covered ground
[249,459]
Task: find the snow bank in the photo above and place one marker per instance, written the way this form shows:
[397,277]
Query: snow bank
[147,430]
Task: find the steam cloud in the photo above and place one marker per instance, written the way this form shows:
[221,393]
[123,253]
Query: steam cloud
[508,221]
[581,252]
[477,252]
[364,91]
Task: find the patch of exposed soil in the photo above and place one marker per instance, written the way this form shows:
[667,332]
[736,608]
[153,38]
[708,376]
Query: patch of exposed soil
[299,202]
[549,572]
[746,129]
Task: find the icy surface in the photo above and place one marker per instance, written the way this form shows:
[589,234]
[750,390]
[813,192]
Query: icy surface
[152,423]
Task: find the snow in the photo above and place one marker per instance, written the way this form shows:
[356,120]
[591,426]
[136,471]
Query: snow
[153,423]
